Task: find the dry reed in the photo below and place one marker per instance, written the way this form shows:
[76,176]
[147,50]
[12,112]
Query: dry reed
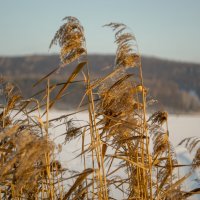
[117,156]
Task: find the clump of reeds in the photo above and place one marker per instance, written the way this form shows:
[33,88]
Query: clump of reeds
[116,156]
[26,153]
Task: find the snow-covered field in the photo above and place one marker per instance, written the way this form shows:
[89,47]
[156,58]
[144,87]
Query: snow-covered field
[180,127]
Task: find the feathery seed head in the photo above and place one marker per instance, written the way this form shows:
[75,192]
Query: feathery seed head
[127,51]
[70,38]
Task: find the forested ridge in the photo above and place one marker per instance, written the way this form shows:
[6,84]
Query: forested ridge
[175,85]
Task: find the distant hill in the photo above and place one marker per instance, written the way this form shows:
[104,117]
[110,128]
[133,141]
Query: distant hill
[176,85]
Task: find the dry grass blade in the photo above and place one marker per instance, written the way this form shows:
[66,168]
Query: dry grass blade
[192,192]
[138,164]
[104,148]
[78,182]
[47,76]
[83,191]
[70,79]
[53,86]
[102,80]
[176,184]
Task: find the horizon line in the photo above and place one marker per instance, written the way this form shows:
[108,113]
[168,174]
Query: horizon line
[98,53]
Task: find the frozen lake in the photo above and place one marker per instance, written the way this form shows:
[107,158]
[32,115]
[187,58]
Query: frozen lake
[180,126]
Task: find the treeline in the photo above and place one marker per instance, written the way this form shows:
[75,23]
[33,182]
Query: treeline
[175,85]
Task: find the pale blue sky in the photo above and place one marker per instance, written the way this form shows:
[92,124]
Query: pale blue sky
[167,29]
